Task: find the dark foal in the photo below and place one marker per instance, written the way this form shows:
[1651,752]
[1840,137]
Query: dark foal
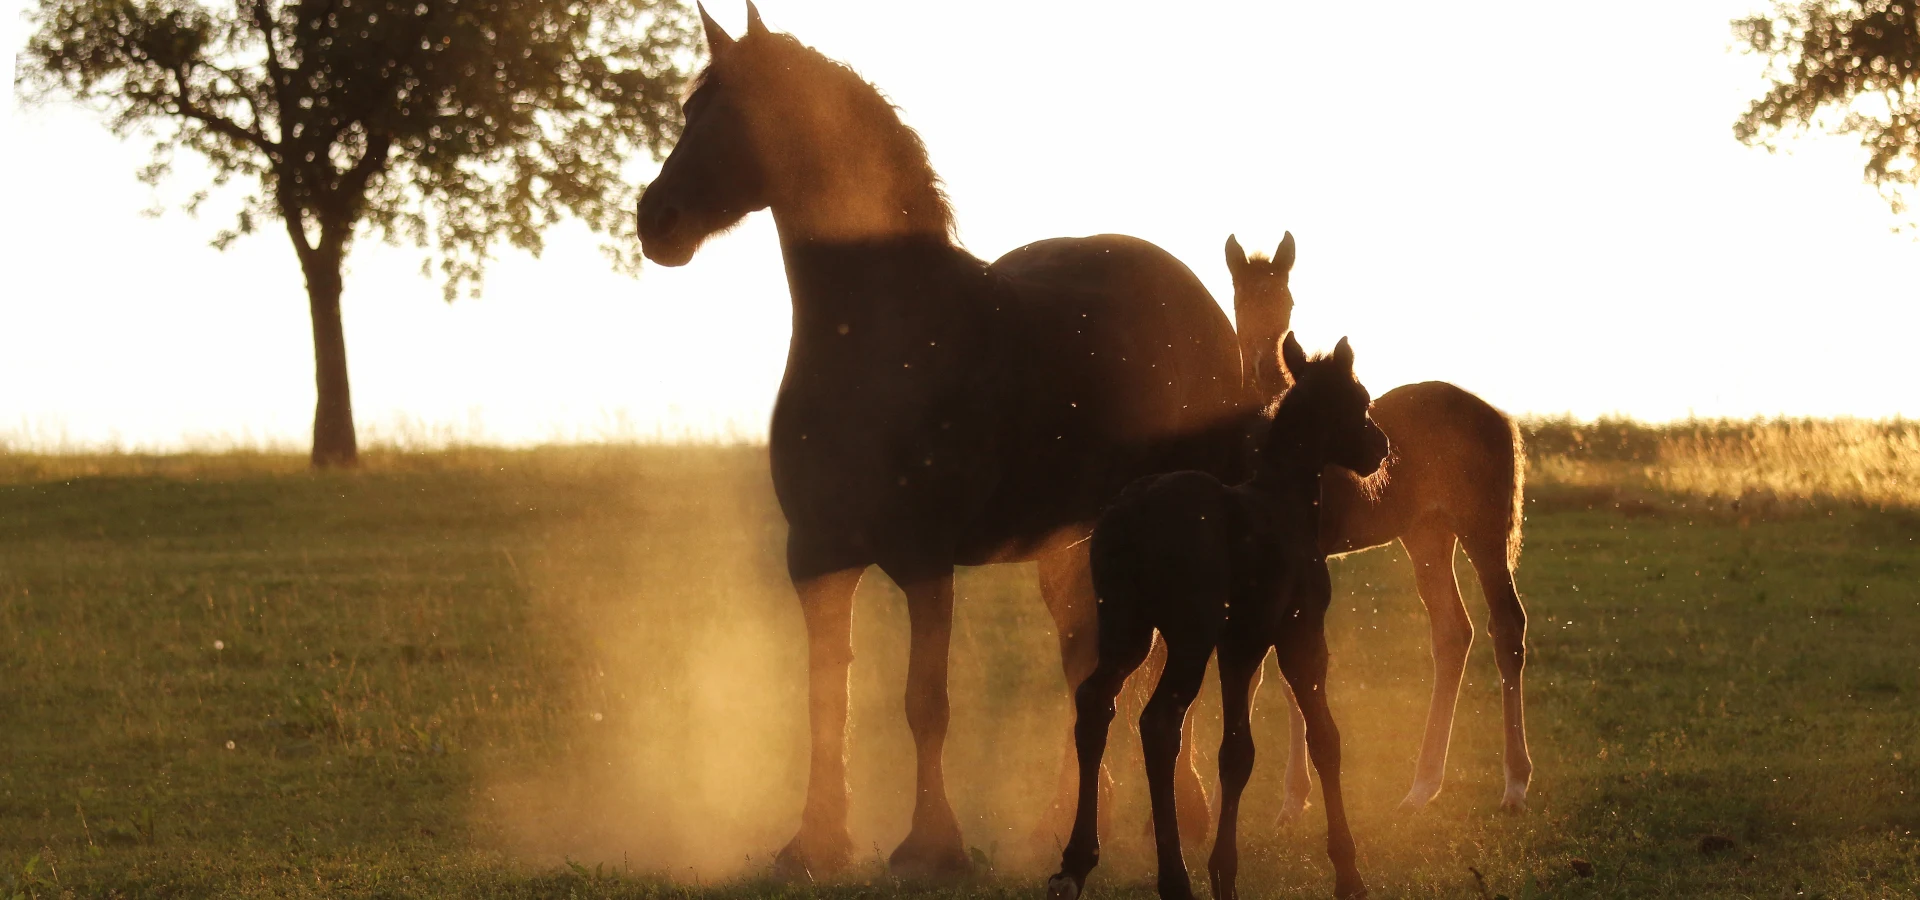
[1234,569]
[1456,477]
[937,410]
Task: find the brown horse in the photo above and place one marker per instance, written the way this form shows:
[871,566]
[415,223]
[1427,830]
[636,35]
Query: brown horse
[936,410]
[1455,477]
[1238,570]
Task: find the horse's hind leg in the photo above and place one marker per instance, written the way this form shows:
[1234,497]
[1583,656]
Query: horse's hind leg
[1431,548]
[1161,725]
[1239,678]
[1195,808]
[1508,622]
[1122,649]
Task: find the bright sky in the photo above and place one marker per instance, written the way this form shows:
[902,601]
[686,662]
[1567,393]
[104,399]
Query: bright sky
[1540,202]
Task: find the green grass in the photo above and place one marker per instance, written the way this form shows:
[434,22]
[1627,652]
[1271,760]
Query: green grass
[578,672]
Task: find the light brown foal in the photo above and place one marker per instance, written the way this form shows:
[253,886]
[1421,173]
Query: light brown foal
[1455,477]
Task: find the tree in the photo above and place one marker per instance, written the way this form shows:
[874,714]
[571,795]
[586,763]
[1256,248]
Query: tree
[450,124]
[1846,66]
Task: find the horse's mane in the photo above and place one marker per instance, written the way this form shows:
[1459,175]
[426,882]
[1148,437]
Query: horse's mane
[874,118]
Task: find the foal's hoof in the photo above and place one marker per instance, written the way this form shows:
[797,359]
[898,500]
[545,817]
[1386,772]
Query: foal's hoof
[1291,813]
[810,857]
[1515,801]
[1418,798]
[1350,890]
[1063,887]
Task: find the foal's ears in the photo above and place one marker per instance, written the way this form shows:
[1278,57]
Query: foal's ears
[1294,358]
[1343,355]
[1283,257]
[718,41]
[1236,258]
[755,27]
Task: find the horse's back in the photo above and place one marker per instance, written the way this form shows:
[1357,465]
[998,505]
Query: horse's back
[1125,367]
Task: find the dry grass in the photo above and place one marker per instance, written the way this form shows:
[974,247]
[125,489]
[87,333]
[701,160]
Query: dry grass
[1759,466]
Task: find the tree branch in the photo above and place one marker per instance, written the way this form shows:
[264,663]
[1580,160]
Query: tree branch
[262,20]
[183,105]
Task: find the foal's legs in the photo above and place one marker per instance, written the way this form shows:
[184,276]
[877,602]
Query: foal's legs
[1431,547]
[1066,585]
[933,845]
[823,846]
[1187,784]
[1508,622]
[1299,777]
[1303,660]
[1161,724]
[1122,649]
[1239,678]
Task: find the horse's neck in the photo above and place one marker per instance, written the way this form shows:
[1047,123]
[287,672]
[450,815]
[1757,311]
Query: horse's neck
[897,284]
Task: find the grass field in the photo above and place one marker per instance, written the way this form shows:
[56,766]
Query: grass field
[578,672]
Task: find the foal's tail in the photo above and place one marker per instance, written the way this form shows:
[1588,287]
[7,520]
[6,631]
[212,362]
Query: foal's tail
[1502,478]
[1516,489]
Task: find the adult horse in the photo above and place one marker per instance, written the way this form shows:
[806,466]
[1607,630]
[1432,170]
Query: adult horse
[1455,478]
[936,410]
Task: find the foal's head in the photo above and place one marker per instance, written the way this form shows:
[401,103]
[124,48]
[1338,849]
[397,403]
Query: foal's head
[773,123]
[1262,312]
[1323,420]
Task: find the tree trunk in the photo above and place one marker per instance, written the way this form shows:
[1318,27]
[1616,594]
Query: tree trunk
[334,442]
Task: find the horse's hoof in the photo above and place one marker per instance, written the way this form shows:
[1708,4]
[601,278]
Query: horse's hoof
[1513,806]
[1223,886]
[810,857]
[1063,887]
[917,858]
[1290,814]
[1352,890]
[1418,798]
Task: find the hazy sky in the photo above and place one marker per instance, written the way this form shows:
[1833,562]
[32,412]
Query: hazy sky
[1540,202]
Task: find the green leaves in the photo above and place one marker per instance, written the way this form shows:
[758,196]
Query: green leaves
[453,125]
[1849,67]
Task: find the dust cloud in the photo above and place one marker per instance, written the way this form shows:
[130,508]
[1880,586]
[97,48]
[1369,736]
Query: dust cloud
[679,745]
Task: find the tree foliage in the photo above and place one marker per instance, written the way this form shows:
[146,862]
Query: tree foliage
[1847,66]
[449,124]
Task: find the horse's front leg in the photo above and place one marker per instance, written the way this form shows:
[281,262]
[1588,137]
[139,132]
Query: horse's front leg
[933,846]
[826,602]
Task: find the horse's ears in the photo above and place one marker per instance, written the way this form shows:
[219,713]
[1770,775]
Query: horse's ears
[1283,257]
[755,27]
[718,41]
[1343,354]
[1292,357]
[1236,257]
